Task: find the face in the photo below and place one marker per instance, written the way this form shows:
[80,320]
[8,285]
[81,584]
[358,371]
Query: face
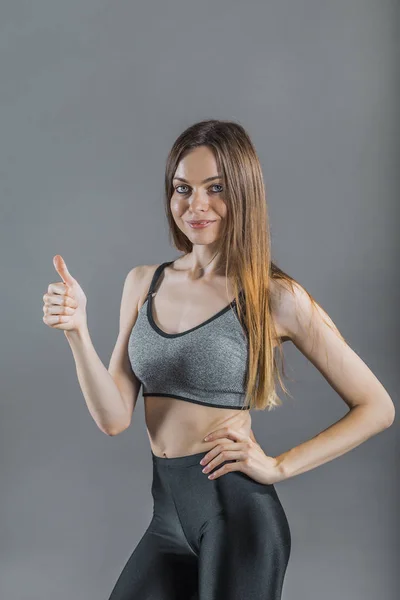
[198,195]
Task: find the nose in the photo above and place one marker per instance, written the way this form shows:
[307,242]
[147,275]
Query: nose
[199,200]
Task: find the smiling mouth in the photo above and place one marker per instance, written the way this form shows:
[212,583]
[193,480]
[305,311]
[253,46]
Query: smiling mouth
[200,224]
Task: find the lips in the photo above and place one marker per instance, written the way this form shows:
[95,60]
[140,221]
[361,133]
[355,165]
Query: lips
[200,224]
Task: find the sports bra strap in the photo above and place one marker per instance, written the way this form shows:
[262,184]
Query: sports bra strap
[158,272]
[156,276]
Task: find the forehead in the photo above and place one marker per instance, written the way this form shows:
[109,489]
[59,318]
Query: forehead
[197,165]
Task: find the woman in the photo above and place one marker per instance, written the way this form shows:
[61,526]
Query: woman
[200,333]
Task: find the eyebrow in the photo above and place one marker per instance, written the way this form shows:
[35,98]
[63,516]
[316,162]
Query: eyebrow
[204,180]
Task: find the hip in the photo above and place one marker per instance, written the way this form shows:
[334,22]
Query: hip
[184,497]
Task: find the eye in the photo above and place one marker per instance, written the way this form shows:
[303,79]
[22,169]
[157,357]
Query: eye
[180,186]
[185,186]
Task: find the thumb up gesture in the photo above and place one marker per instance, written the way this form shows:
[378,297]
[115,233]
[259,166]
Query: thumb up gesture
[65,301]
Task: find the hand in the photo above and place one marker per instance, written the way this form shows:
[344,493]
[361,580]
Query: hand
[65,301]
[250,457]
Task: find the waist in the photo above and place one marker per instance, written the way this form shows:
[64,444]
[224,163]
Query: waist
[177,428]
[186,460]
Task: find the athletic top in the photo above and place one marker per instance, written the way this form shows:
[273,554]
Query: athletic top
[205,364]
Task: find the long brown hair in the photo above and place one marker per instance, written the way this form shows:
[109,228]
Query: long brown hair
[244,246]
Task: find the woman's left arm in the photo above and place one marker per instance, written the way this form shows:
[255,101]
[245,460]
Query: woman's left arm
[371,408]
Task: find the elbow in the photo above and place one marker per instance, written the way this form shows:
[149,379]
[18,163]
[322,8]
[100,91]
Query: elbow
[385,417]
[116,430]
[379,418]
[390,413]
[390,417]
[112,432]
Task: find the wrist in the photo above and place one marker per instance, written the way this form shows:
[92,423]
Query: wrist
[76,334]
[281,467]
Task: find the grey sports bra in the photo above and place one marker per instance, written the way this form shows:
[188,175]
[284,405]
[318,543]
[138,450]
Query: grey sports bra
[206,364]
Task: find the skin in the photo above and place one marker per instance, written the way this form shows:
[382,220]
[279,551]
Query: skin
[371,410]
[229,432]
[187,296]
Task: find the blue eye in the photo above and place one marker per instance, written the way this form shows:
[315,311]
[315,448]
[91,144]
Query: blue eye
[178,186]
[215,184]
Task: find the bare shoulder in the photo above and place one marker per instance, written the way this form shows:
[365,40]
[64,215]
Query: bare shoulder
[142,276]
[297,315]
[291,307]
[141,272]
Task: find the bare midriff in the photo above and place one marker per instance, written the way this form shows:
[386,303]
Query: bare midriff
[178,427]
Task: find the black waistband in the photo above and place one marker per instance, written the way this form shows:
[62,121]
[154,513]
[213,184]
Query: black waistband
[179,461]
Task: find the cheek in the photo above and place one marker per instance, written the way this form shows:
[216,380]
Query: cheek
[176,206]
[222,208]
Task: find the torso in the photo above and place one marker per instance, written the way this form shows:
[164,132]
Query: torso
[175,427]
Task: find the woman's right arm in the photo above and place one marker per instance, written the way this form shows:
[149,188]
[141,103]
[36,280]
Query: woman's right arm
[102,396]
[110,394]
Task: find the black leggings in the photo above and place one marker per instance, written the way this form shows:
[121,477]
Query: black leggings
[222,539]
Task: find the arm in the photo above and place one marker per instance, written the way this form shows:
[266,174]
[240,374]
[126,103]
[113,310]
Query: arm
[371,409]
[110,394]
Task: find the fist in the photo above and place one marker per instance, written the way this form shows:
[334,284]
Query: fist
[64,302]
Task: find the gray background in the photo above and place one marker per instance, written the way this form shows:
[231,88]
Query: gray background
[92,96]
